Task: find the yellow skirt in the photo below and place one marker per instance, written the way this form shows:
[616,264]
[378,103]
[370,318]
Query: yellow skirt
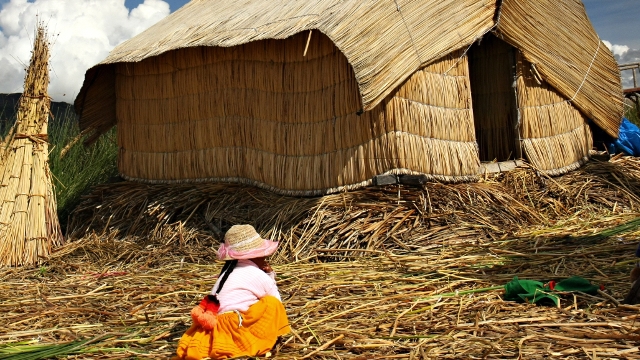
[262,324]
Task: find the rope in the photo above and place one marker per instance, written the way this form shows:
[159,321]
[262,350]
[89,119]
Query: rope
[478,37]
[326,191]
[333,119]
[408,32]
[245,148]
[545,105]
[588,71]
[36,138]
[469,48]
[556,135]
[37,97]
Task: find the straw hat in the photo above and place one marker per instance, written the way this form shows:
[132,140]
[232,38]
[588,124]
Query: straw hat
[244,242]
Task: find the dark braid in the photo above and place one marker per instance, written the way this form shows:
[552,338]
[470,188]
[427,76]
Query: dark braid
[228,267]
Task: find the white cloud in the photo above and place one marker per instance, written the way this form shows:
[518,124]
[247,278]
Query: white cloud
[625,55]
[82,33]
[618,50]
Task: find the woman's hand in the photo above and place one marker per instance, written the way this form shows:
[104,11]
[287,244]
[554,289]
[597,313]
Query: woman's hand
[266,267]
[262,263]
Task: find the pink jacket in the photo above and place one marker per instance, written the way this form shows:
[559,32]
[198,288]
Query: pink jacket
[246,284]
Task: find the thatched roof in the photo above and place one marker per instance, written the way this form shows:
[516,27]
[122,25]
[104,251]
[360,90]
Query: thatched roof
[386,41]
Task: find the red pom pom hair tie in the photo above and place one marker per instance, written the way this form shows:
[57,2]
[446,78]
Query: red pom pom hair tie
[206,313]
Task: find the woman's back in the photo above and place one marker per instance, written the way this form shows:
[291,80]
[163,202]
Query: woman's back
[246,284]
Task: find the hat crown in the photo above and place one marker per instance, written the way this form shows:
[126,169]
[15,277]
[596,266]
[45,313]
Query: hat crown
[244,242]
[243,238]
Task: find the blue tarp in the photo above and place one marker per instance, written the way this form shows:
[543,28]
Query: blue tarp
[629,139]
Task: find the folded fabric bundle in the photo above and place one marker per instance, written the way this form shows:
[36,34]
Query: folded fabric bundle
[628,141]
[536,292]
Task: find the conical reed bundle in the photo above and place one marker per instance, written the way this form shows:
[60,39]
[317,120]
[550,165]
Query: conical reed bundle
[29,226]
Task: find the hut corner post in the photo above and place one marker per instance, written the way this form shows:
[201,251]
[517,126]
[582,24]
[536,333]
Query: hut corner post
[29,226]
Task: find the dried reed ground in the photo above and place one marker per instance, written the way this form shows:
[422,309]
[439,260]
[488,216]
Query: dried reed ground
[421,295]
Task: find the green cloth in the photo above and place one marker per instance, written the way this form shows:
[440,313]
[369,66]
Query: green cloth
[577,284]
[536,292]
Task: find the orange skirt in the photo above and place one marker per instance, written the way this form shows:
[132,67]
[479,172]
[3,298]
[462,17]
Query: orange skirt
[262,324]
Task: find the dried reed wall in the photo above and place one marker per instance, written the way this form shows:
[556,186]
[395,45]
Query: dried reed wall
[385,42]
[100,113]
[266,114]
[557,36]
[491,64]
[555,135]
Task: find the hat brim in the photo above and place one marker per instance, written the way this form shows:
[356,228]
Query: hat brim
[267,248]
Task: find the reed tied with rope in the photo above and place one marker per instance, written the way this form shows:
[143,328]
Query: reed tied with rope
[29,227]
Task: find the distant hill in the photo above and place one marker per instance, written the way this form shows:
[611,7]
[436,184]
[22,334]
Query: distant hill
[9,105]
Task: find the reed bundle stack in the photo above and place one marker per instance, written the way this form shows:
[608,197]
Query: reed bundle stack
[315,97]
[29,227]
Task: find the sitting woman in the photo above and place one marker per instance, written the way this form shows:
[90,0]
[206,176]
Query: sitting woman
[243,315]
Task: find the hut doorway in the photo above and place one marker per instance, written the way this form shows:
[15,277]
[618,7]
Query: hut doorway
[492,72]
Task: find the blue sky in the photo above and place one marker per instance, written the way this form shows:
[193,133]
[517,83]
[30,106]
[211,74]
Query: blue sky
[617,21]
[174,4]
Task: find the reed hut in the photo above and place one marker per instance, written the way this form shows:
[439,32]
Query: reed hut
[312,97]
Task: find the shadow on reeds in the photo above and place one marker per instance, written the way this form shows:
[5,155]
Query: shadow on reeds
[592,230]
[603,260]
[371,221]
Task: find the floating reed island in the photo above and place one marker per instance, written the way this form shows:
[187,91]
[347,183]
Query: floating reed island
[431,285]
[228,112]
[316,97]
